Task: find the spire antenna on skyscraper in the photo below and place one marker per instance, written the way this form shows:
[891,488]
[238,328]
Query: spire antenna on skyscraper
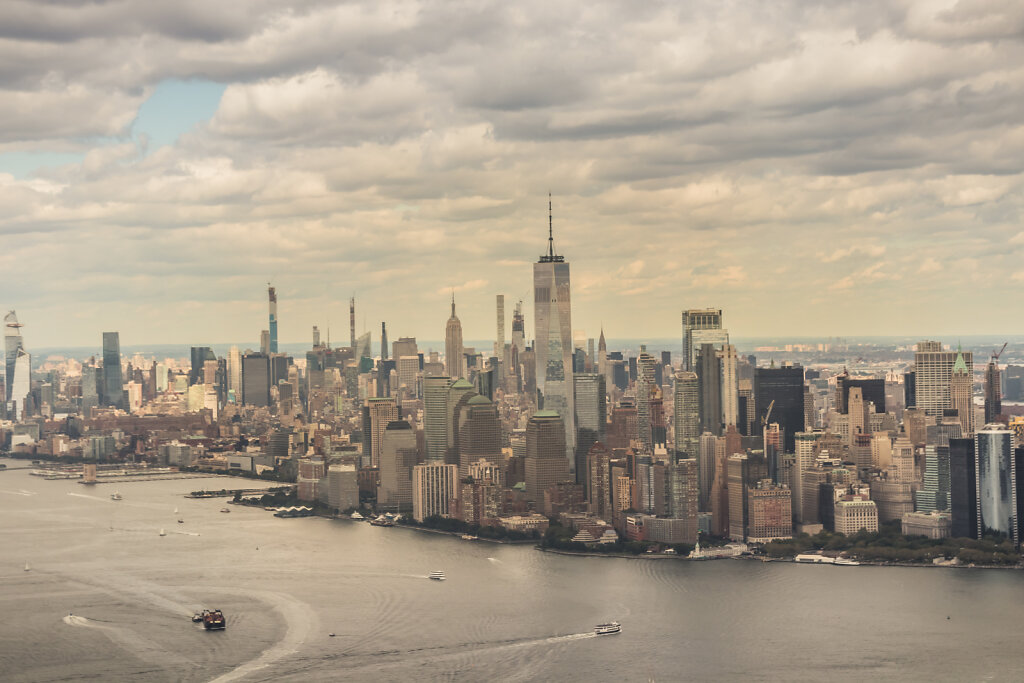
[550,257]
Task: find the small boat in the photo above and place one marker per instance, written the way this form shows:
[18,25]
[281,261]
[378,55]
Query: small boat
[163,533]
[607,629]
[225,510]
[846,562]
[116,496]
[197,617]
[381,521]
[355,516]
[436,576]
[175,510]
[180,520]
[331,635]
[213,620]
[27,568]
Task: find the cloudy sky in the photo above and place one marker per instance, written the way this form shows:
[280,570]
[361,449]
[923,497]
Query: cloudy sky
[830,168]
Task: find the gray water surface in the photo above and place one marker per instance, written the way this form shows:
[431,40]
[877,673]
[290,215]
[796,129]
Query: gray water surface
[505,612]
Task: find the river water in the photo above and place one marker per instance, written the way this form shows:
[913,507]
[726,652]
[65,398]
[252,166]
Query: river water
[107,598]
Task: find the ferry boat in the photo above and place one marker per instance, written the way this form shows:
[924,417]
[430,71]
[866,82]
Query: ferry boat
[213,620]
[356,517]
[607,629]
[116,495]
[436,576]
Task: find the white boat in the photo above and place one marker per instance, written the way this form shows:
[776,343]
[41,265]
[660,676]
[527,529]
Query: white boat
[27,568]
[225,510]
[175,510]
[847,562]
[115,496]
[163,533]
[436,576]
[607,629]
[356,517]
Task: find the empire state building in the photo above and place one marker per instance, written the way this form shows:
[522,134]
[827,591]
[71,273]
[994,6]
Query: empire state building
[553,346]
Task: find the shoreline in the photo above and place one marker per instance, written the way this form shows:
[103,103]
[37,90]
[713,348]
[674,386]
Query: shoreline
[789,560]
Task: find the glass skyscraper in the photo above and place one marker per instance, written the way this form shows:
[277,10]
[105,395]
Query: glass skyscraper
[113,385]
[553,348]
[996,481]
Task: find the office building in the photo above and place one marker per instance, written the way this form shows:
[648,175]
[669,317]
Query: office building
[342,487]
[397,458]
[963,491]
[769,512]
[730,385]
[435,420]
[256,379]
[993,390]
[645,388]
[113,386]
[855,513]
[709,382]
[272,296]
[553,348]
[961,393]
[704,324]
[378,413]
[545,454]
[782,389]
[479,434]
[234,375]
[933,374]
[686,416]
[996,482]
[433,489]
[934,493]
[453,358]
[591,419]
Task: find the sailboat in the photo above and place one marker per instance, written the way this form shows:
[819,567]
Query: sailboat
[27,568]
[175,510]
[162,532]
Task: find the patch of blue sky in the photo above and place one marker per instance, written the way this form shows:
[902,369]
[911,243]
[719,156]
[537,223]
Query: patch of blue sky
[175,107]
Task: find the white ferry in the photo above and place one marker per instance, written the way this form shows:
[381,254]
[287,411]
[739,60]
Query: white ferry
[436,576]
[607,629]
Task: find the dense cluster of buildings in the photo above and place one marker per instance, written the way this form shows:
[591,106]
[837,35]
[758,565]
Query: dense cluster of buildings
[649,446]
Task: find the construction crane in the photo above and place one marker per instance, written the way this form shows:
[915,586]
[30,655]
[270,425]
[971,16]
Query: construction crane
[768,414]
[995,355]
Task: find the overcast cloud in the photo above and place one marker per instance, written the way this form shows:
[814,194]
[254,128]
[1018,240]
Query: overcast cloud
[833,168]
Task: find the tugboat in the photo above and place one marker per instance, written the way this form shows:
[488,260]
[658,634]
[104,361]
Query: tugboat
[436,576]
[607,629]
[213,620]
[116,495]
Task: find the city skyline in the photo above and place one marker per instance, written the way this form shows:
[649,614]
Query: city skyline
[368,149]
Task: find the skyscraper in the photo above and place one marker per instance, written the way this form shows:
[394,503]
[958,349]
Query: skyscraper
[709,380]
[433,488]
[272,295]
[996,481]
[961,393]
[709,319]
[553,348]
[993,390]
[453,345]
[234,374]
[435,422]
[686,416]
[933,374]
[479,434]
[785,387]
[591,418]
[499,344]
[645,363]
[378,413]
[963,488]
[255,380]
[113,387]
[545,454]
[12,344]
[397,458]
[730,385]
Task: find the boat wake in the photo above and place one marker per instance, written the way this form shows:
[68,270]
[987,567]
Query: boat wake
[72,620]
[18,493]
